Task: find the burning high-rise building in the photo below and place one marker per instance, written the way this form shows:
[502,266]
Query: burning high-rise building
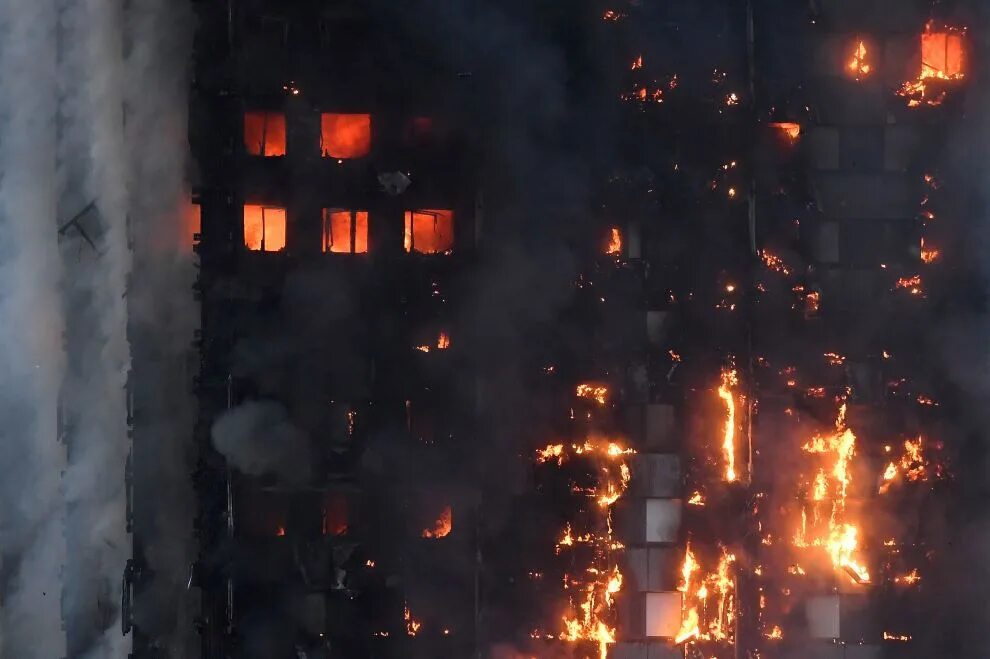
[493,328]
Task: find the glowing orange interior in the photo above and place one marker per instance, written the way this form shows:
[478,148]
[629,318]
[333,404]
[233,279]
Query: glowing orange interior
[345,231]
[345,135]
[264,133]
[942,54]
[429,231]
[264,228]
[334,514]
[790,130]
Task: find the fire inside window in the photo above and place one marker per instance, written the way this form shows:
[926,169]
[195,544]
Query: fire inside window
[344,231]
[264,133]
[942,55]
[345,136]
[429,231]
[334,516]
[264,228]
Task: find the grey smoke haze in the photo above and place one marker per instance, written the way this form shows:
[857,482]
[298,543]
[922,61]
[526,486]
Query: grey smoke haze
[32,359]
[73,92]
[258,438]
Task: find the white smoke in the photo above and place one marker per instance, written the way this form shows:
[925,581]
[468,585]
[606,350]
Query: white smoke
[79,80]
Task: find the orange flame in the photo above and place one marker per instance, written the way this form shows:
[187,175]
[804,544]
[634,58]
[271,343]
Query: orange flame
[943,55]
[412,625]
[598,393]
[858,64]
[839,537]
[442,527]
[615,242]
[726,392]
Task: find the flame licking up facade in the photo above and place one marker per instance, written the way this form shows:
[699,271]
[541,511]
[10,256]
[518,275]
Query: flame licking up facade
[708,328]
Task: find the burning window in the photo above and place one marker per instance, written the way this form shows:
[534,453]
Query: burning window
[264,133]
[442,527]
[264,228]
[335,514]
[345,136]
[942,55]
[429,231]
[789,131]
[345,231]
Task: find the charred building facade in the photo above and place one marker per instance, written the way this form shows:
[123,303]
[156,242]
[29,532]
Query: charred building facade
[585,331]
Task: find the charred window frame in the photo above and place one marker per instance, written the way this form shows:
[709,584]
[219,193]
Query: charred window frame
[264,133]
[439,239]
[345,231]
[264,228]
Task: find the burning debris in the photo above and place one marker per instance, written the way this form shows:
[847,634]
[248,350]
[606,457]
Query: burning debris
[943,55]
[591,597]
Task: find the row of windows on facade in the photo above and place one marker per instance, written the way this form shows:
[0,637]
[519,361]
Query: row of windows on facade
[342,136]
[426,231]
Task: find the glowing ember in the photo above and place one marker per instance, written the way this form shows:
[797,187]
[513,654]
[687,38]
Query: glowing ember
[597,393]
[928,254]
[442,527]
[613,15]
[727,393]
[280,531]
[774,263]
[637,63]
[909,579]
[615,242]
[903,638]
[858,65]
[775,634]
[696,499]
[443,341]
[911,284]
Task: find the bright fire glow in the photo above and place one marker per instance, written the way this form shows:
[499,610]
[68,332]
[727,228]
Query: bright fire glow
[264,134]
[615,242]
[595,392]
[345,136]
[592,597]
[727,393]
[834,532]
[708,603]
[858,65]
[789,129]
[264,228]
[429,231]
[442,527]
[345,231]
[943,57]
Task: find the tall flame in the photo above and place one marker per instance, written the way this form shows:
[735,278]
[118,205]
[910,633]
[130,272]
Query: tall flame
[726,392]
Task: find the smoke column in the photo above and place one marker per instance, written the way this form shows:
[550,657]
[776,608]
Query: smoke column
[91,128]
[31,327]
